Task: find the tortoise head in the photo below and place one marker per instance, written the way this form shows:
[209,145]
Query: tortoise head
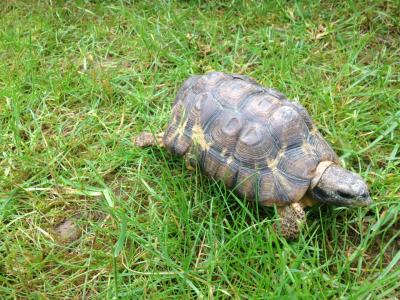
[339,186]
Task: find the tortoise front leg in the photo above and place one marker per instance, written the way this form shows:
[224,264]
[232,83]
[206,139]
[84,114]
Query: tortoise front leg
[292,217]
[146,139]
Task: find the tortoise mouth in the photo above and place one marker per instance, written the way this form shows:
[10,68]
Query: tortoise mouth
[363,197]
[364,200]
[329,197]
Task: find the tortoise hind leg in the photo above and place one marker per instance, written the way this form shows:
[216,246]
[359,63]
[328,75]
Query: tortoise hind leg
[190,160]
[292,217]
[146,139]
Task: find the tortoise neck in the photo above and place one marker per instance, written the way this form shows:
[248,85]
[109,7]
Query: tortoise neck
[321,168]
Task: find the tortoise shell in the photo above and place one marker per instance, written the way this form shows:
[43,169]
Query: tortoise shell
[252,138]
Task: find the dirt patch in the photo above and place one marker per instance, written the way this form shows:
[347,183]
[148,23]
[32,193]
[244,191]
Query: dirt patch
[67,231]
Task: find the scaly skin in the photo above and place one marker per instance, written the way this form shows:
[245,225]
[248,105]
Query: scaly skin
[292,218]
[147,139]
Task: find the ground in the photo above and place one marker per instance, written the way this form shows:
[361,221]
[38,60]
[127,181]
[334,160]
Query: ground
[85,214]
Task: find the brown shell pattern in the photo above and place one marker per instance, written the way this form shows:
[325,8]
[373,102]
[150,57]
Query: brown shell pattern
[252,138]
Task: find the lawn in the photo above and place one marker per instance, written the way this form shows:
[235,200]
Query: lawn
[86,215]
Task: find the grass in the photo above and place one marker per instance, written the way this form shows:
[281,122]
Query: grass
[78,80]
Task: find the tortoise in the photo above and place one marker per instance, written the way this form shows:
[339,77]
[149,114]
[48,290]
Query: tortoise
[261,145]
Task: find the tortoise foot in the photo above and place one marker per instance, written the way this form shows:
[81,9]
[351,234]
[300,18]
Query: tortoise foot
[292,218]
[146,139]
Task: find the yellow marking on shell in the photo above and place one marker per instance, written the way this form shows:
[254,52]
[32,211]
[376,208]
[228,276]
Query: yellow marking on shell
[229,160]
[183,122]
[273,163]
[306,148]
[178,132]
[199,137]
[224,150]
[314,131]
[181,127]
